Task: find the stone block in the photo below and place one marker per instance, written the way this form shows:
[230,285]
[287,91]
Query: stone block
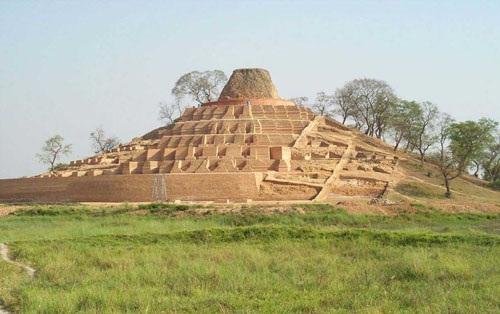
[259,152]
[169,154]
[130,167]
[233,151]
[280,153]
[210,151]
[261,139]
[150,167]
[166,166]
[181,153]
[94,172]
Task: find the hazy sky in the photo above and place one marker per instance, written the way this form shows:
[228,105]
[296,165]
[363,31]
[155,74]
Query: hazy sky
[68,67]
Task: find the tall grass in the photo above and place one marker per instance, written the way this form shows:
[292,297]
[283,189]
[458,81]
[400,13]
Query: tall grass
[93,260]
[285,275]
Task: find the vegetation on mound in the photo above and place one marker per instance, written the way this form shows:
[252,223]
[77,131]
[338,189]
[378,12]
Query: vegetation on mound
[164,208]
[415,189]
[495,185]
[431,185]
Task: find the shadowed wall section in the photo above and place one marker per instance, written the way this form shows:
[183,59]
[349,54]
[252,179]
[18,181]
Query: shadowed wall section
[133,188]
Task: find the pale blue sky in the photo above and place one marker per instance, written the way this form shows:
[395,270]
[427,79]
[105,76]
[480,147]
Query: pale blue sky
[68,67]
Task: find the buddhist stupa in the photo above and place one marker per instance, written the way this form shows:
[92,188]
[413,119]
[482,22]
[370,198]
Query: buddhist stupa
[248,145]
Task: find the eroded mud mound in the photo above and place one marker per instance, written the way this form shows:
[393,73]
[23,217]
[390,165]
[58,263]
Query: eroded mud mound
[249,83]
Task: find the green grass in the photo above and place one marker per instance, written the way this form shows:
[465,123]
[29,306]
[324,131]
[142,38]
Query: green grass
[467,191]
[94,260]
[416,189]
[495,185]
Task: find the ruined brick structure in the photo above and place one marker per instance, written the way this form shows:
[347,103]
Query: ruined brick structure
[250,144]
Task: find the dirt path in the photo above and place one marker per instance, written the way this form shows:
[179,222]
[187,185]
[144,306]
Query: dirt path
[5,210]
[2,311]
[4,255]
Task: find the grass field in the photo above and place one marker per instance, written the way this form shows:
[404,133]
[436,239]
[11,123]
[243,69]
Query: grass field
[95,260]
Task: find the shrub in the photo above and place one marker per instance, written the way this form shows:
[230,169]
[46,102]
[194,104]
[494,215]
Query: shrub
[163,208]
[495,185]
[418,190]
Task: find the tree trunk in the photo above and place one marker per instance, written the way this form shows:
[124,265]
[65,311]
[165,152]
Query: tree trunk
[398,141]
[447,185]
[476,173]
[422,159]
[52,163]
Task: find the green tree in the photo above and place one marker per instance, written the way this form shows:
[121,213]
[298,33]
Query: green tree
[490,160]
[460,143]
[423,135]
[53,149]
[404,118]
[370,102]
[200,86]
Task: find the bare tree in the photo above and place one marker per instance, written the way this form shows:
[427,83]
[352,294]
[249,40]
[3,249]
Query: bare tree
[101,143]
[169,111]
[424,136]
[323,104]
[343,103]
[300,101]
[53,150]
[448,165]
[200,86]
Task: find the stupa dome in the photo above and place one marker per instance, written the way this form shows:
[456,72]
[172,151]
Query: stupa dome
[249,84]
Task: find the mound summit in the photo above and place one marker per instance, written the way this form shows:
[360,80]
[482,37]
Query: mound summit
[250,144]
[249,83]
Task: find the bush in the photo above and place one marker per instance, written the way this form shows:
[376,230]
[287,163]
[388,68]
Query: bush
[416,189]
[495,185]
[162,208]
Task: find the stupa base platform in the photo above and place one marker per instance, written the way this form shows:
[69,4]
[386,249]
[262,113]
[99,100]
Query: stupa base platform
[219,187]
[248,145]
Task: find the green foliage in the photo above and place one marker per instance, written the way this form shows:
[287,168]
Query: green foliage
[324,260]
[489,161]
[404,120]
[460,144]
[163,208]
[61,166]
[415,189]
[469,139]
[200,86]
[72,210]
[53,149]
[495,185]
[259,233]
